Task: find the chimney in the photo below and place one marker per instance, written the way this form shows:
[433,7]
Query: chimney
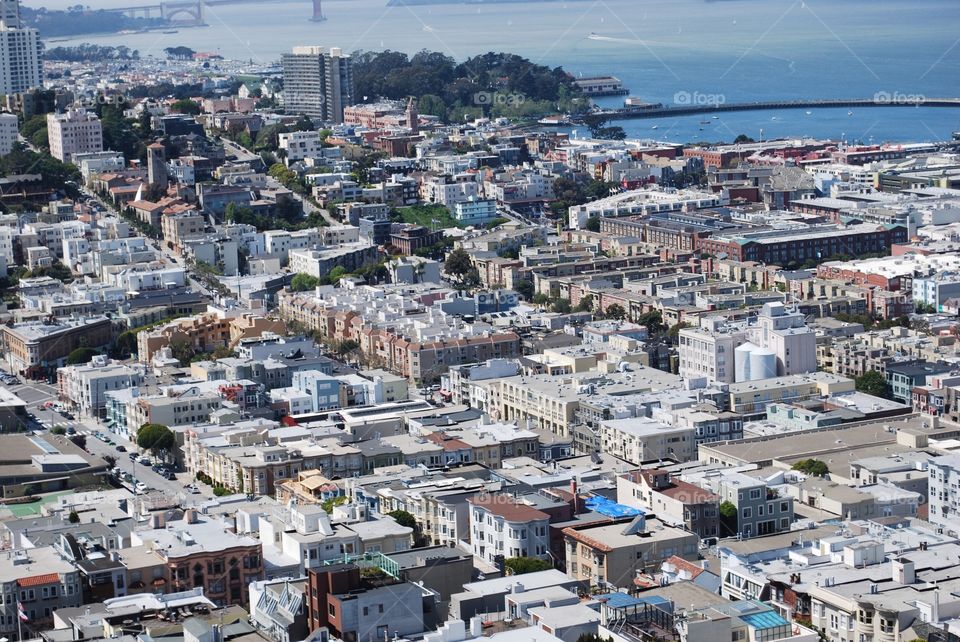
[935,607]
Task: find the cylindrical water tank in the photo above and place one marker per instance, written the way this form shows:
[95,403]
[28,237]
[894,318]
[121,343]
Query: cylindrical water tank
[763,364]
[741,361]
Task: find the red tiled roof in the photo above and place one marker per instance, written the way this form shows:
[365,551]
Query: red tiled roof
[37,580]
[505,506]
[684,565]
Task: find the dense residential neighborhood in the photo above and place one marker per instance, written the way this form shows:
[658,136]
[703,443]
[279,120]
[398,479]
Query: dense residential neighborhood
[291,352]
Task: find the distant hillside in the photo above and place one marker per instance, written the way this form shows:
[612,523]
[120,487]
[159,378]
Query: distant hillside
[79,21]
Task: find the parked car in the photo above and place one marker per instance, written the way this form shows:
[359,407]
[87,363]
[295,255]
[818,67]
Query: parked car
[140,488]
[133,456]
[145,461]
[121,448]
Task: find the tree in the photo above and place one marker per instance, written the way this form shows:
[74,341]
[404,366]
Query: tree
[743,138]
[592,224]
[585,304]
[182,351]
[561,306]
[674,331]
[728,519]
[80,441]
[523,565]
[347,346]
[404,518]
[873,383]
[81,355]
[615,311]
[156,438]
[74,517]
[302,282]
[458,263]
[125,344]
[813,467]
[524,289]
[58,430]
[185,106]
[328,504]
[653,320]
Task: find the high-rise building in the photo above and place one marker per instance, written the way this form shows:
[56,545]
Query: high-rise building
[76,131]
[317,82]
[21,67]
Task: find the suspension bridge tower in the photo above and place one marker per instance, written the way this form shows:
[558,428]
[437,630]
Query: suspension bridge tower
[318,11]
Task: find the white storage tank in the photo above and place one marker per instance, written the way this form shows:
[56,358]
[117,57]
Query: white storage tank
[741,361]
[763,364]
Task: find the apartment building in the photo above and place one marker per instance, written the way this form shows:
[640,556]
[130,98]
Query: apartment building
[641,439]
[502,527]
[318,262]
[616,552]
[9,131]
[760,510]
[672,500]
[300,145]
[21,52]
[206,332]
[76,131]
[85,386]
[180,226]
[317,82]
[39,580]
[36,349]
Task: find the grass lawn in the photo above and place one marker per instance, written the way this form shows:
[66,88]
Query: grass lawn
[425,215]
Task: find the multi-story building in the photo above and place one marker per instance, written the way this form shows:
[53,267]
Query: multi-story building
[76,131]
[943,494]
[180,226]
[85,386]
[21,60]
[673,501]
[198,551]
[355,609]
[317,82]
[36,349]
[205,332]
[640,439]
[760,510]
[502,527]
[300,145]
[39,580]
[9,130]
[319,261]
[615,552]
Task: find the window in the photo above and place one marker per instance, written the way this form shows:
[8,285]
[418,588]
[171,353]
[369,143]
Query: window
[747,513]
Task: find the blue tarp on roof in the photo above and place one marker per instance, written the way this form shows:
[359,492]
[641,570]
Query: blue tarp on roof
[611,508]
[623,600]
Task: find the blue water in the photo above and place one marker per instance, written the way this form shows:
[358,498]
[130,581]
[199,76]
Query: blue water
[731,50]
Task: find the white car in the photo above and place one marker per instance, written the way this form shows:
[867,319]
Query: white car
[141,488]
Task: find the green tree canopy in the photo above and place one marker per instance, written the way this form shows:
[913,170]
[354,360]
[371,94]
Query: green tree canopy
[185,106]
[728,519]
[302,282]
[458,263]
[523,565]
[156,438]
[592,224]
[813,467]
[615,311]
[74,517]
[404,518]
[873,383]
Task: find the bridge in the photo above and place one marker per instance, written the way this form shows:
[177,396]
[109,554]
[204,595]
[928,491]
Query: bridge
[189,13]
[659,111]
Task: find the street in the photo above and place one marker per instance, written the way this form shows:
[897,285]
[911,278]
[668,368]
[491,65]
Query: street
[38,394]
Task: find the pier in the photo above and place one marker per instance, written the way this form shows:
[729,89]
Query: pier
[690,110]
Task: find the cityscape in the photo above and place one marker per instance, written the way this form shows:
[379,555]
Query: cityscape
[502,321]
